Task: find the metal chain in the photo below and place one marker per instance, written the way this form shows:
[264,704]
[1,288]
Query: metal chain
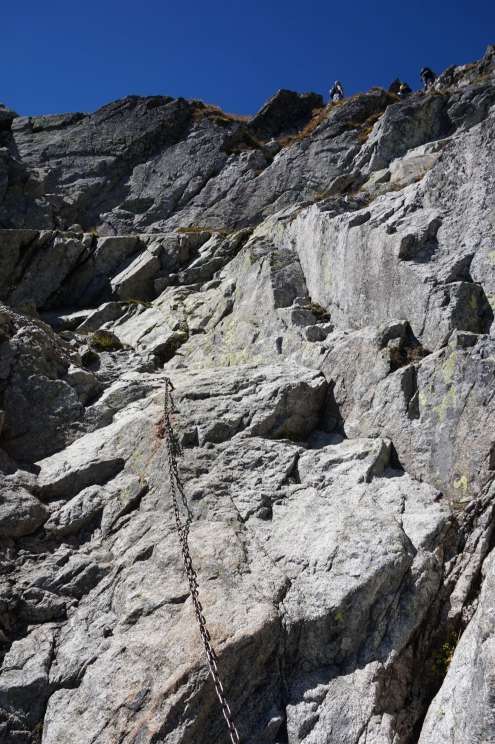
[174,451]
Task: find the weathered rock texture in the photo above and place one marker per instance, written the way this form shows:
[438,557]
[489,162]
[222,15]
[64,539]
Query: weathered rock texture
[319,285]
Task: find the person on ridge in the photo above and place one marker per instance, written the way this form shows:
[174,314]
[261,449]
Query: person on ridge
[428,77]
[337,92]
[404,90]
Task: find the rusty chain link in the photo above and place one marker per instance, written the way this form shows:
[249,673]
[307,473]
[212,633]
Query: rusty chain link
[183,523]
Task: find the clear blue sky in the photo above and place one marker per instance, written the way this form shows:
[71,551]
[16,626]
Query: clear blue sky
[58,56]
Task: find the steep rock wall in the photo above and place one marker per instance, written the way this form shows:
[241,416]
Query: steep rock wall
[319,285]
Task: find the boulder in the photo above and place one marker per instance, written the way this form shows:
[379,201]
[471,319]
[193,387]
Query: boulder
[24,686]
[136,280]
[21,513]
[77,512]
[33,366]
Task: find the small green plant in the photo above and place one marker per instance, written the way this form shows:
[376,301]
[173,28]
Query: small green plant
[105,341]
[443,656]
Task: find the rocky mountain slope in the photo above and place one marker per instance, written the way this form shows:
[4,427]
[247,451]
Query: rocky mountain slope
[318,282]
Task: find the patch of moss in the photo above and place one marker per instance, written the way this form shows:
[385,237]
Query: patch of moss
[105,341]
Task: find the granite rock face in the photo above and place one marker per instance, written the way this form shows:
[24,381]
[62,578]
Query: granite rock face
[318,283]
[462,710]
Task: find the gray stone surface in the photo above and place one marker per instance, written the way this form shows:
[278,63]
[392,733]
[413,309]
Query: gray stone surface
[409,240]
[427,406]
[24,684]
[317,593]
[463,709]
[318,283]
[77,512]
[39,404]
[20,512]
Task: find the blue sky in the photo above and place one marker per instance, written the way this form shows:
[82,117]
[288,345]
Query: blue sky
[75,56]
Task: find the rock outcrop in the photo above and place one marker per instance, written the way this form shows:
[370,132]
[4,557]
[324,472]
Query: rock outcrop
[318,283]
